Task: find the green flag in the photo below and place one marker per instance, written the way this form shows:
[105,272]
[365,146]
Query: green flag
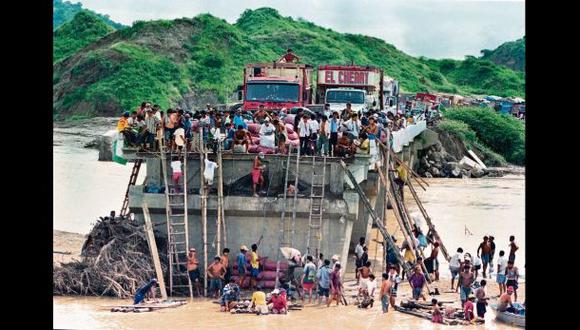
[118,150]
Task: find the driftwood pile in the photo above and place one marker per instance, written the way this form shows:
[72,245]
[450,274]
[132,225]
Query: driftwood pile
[115,261]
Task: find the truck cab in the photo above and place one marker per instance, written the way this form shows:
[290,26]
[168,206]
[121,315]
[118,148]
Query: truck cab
[276,85]
[339,97]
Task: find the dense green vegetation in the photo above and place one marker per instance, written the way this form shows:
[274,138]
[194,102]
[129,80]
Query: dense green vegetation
[465,134]
[166,61]
[82,30]
[504,134]
[510,54]
[63,12]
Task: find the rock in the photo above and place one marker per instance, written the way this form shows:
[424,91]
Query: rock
[432,162]
[477,172]
[438,146]
[456,172]
[465,173]
[452,169]
[450,158]
[435,171]
[424,162]
[428,175]
[94,144]
[439,165]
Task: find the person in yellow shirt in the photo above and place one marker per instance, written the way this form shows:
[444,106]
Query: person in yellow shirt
[259,303]
[401,180]
[123,122]
[255,266]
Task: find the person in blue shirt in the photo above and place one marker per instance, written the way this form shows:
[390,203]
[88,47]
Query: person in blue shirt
[229,136]
[334,125]
[145,290]
[243,270]
[323,277]
[239,120]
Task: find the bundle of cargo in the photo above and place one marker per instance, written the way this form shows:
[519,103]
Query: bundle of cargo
[266,278]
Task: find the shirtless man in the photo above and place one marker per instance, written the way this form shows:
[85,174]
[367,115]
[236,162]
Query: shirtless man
[192,269]
[513,248]
[385,292]
[215,273]
[433,257]
[257,178]
[485,248]
[241,140]
[364,272]
[505,301]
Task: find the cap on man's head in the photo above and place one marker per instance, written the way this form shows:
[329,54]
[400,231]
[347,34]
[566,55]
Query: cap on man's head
[126,114]
[334,257]
[192,249]
[261,155]
[243,247]
[276,291]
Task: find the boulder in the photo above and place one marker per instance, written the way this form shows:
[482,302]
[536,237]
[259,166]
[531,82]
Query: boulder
[438,146]
[435,171]
[477,172]
[105,145]
[465,173]
[428,175]
[450,158]
[424,162]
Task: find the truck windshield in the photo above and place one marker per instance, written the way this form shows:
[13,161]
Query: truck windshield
[354,97]
[272,92]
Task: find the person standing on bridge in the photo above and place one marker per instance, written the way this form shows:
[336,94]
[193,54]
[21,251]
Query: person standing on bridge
[334,125]
[257,178]
[304,134]
[289,57]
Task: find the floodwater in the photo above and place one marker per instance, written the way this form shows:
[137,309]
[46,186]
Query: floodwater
[89,313]
[463,210]
[85,189]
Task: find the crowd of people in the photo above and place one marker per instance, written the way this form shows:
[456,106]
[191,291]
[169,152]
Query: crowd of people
[321,281]
[339,133]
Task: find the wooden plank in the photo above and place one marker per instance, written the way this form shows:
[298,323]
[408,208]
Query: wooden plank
[429,222]
[153,249]
[203,202]
[472,154]
[373,215]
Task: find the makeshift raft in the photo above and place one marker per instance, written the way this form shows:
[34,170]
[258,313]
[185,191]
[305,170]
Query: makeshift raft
[428,316]
[146,307]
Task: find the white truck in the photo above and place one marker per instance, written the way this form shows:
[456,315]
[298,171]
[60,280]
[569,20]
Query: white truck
[362,86]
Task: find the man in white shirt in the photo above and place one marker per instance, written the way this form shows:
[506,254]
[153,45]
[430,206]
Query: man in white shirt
[358,251]
[304,133]
[501,277]
[353,125]
[314,127]
[455,266]
[267,134]
[179,139]
[176,169]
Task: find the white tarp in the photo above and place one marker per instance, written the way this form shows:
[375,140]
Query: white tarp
[402,137]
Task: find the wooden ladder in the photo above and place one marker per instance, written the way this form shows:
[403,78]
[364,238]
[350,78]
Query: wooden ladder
[132,181]
[316,211]
[177,230]
[284,235]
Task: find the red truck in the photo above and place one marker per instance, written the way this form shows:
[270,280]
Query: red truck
[277,85]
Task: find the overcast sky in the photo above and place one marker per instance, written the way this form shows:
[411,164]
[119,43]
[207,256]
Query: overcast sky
[431,28]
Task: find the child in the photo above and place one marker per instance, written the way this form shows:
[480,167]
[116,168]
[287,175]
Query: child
[468,309]
[176,168]
[386,289]
[437,316]
[395,279]
[308,278]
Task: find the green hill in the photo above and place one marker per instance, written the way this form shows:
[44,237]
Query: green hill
[63,12]
[193,61]
[82,30]
[510,54]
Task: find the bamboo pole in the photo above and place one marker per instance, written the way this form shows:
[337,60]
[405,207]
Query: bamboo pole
[429,222]
[154,253]
[221,198]
[203,207]
[185,212]
[396,158]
